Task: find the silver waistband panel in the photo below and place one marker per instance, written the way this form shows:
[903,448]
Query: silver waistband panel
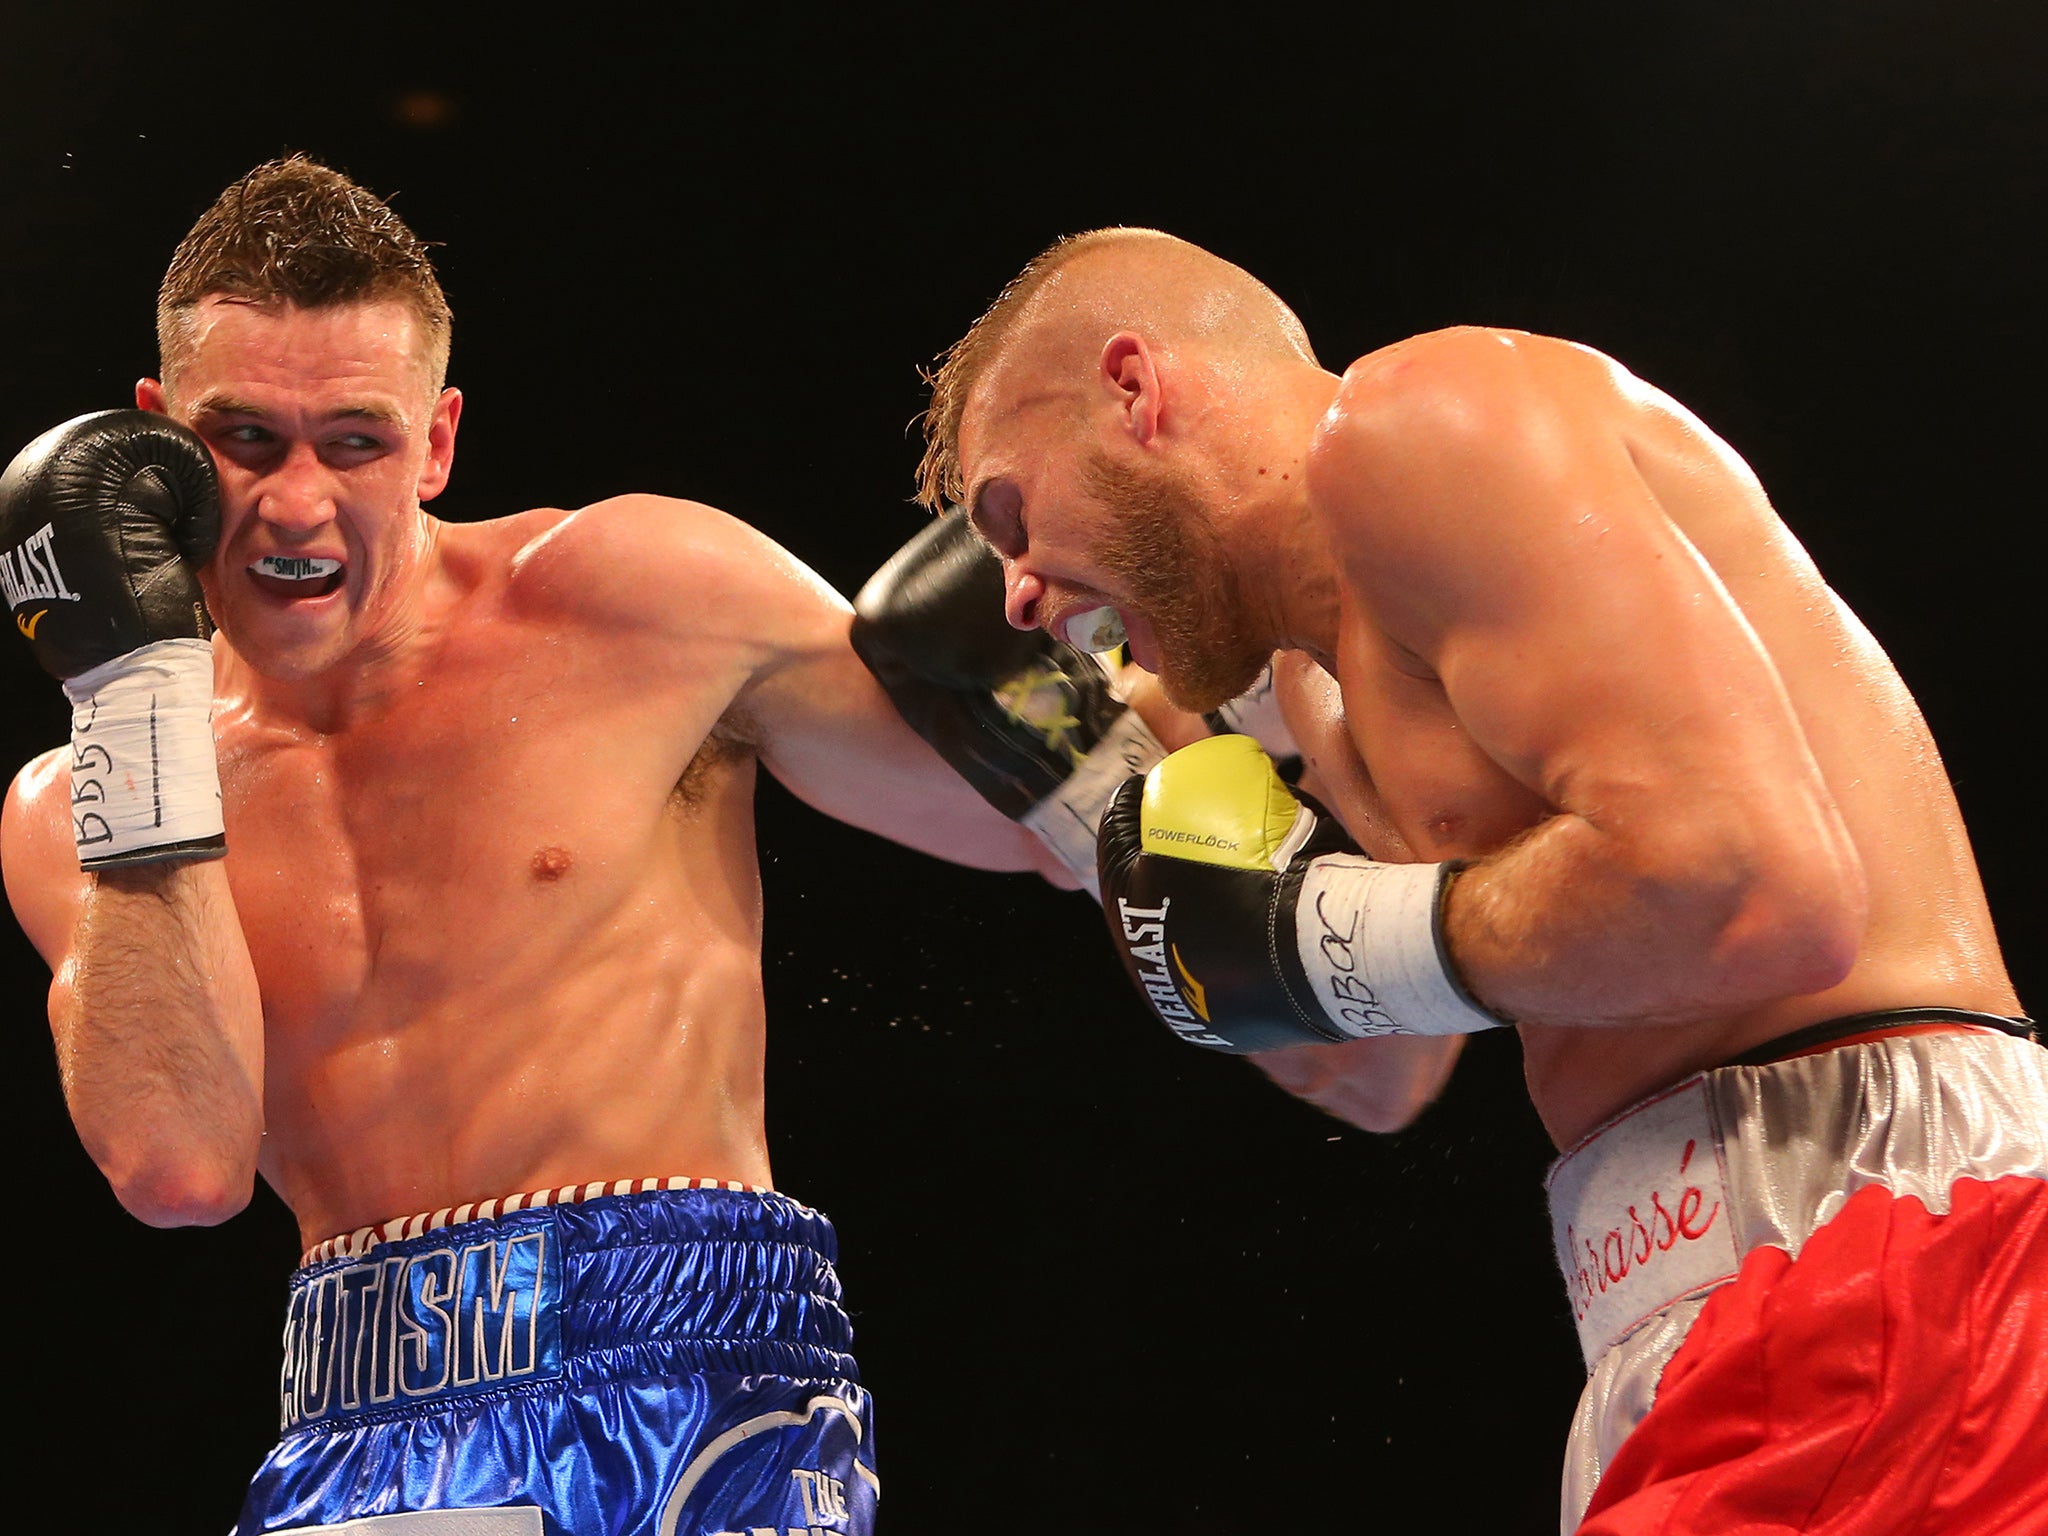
[1656,1209]
[1776,1150]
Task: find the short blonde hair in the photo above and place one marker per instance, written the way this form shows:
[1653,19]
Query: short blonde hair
[962,365]
[1166,285]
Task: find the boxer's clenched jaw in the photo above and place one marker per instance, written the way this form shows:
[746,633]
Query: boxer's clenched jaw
[1168,569]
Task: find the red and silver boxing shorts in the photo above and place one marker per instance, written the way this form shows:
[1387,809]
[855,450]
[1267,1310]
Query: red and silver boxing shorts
[1813,1296]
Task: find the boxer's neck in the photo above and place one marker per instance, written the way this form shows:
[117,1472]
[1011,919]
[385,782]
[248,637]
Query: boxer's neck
[1279,550]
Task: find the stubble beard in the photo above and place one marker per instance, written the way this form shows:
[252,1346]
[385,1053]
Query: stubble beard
[1163,550]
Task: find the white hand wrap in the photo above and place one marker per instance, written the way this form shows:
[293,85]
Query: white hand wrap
[1256,713]
[144,784]
[1370,937]
[1067,820]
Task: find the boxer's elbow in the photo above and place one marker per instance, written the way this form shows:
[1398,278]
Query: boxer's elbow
[1380,1085]
[176,1176]
[1799,926]
[1372,1107]
[195,1192]
[1770,914]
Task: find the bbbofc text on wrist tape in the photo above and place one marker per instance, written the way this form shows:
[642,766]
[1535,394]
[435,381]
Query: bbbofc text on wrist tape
[144,782]
[1370,938]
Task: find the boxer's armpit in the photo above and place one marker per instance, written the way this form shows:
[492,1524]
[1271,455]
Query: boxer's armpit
[731,740]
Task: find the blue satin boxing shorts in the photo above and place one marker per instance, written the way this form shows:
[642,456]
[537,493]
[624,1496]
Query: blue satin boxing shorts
[654,1357]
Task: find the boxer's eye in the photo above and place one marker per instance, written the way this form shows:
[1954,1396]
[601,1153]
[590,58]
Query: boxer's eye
[998,516]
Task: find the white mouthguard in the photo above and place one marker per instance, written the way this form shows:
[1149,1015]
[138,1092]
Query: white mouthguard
[1096,631]
[294,567]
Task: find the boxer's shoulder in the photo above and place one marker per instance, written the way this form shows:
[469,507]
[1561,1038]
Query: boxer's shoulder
[1451,435]
[1468,383]
[38,809]
[652,563]
[38,854]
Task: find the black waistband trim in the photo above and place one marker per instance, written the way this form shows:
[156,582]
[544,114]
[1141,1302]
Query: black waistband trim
[1884,1018]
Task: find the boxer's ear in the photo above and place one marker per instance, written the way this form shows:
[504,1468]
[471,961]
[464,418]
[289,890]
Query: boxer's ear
[441,425]
[1131,375]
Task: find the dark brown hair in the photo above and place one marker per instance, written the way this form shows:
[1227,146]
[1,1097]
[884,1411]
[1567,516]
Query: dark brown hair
[296,232]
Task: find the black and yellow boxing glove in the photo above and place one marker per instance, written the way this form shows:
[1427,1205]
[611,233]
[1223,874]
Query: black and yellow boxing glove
[1251,921]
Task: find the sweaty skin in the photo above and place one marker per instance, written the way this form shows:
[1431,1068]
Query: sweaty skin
[1532,614]
[490,917]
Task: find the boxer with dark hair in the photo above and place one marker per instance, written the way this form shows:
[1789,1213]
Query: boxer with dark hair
[426,890]
[1605,760]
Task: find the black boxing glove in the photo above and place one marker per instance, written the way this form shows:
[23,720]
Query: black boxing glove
[102,521]
[1031,722]
[1250,920]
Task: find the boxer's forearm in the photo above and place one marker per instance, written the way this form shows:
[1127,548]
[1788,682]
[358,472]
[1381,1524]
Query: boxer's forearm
[159,1038]
[1575,925]
[1175,727]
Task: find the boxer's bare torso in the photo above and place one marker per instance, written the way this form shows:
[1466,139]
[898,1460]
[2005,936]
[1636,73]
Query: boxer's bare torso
[495,865]
[504,909]
[1398,757]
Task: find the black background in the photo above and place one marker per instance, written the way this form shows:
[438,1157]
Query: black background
[1102,1283]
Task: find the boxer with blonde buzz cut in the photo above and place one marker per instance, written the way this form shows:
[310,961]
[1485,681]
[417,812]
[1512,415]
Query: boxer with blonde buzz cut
[1601,758]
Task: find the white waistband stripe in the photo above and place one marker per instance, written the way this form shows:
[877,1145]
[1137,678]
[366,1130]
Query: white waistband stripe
[351,1245]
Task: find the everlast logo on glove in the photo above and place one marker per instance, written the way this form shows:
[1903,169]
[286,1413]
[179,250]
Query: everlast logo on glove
[1182,1008]
[29,573]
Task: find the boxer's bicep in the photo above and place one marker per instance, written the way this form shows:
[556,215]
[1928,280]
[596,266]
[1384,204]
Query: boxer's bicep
[826,730]
[1584,644]
[1694,861]
[689,591]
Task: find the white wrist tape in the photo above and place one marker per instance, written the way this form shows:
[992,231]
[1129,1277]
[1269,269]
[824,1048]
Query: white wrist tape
[1067,820]
[144,784]
[1370,937]
[1256,713]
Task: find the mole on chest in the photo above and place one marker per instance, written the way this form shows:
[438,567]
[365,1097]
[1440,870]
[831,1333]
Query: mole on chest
[551,863]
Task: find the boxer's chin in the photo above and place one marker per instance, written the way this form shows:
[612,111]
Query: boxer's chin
[1190,640]
[1201,677]
[1192,647]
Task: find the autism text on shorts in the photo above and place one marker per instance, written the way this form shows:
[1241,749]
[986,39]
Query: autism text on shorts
[415,1325]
